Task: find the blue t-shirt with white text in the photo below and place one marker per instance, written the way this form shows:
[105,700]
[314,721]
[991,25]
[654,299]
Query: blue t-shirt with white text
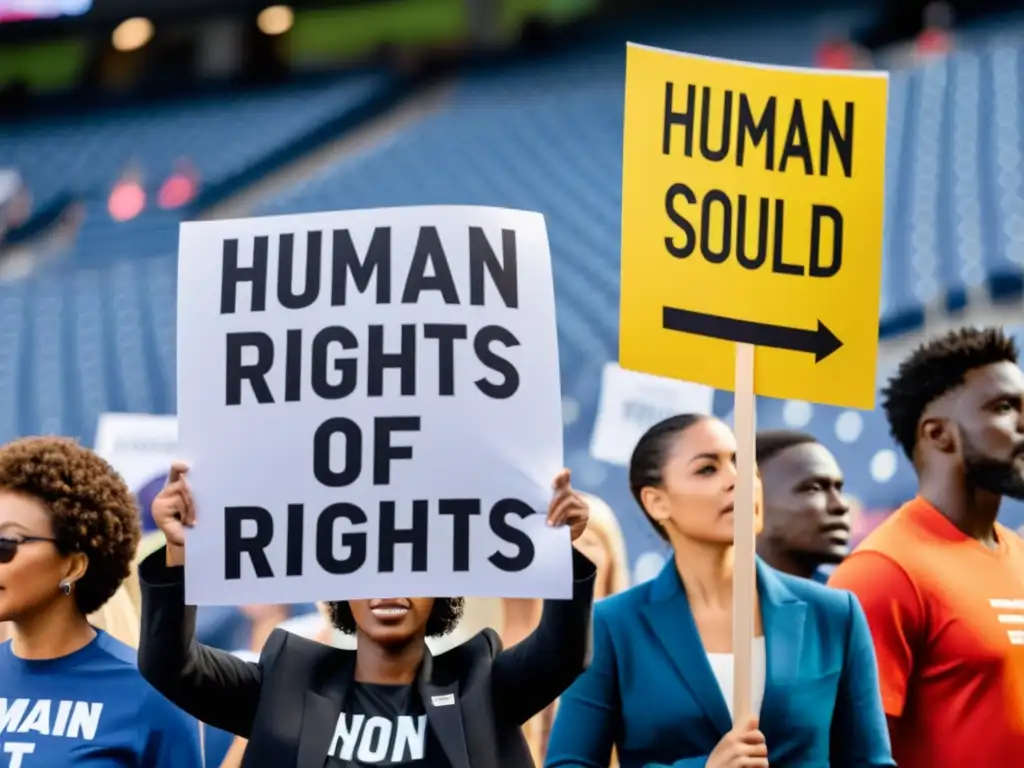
[90,708]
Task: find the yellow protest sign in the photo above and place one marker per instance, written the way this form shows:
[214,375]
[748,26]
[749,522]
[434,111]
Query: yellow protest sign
[752,212]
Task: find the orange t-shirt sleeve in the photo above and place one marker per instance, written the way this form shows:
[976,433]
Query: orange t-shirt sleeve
[895,615]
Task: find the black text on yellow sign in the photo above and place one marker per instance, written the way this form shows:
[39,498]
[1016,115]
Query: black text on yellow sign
[720,221]
[752,212]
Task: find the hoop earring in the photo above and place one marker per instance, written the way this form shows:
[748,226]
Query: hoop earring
[65,587]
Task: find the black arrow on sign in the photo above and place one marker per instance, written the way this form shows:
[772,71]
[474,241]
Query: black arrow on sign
[821,342]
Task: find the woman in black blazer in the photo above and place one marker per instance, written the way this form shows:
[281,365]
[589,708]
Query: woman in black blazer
[389,703]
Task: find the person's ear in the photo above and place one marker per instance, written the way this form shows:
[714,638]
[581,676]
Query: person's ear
[655,501]
[78,564]
[938,432]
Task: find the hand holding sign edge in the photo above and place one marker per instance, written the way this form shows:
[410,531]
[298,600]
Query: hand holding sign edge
[173,511]
[567,507]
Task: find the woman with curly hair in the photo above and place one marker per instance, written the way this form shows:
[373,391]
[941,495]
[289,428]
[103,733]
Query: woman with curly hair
[389,702]
[72,693]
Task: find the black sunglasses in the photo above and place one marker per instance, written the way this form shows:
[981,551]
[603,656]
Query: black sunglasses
[9,547]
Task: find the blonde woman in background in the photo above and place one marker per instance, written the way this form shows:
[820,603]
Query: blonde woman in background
[121,616]
[515,618]
[604,545]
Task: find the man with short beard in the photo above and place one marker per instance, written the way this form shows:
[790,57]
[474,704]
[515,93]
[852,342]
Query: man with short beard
[941,582]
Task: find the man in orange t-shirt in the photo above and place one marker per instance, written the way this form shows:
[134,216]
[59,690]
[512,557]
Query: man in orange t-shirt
[941,583]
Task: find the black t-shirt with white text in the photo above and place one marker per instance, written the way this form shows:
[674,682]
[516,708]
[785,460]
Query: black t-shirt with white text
[384,725]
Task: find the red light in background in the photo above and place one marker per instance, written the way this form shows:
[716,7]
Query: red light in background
[181,186]
[934,42]
[127,200]
[177,191]
[836,54]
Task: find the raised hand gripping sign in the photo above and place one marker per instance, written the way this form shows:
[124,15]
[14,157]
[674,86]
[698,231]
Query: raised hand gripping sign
[370,403]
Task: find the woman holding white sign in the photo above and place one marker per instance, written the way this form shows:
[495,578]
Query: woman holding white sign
[660,686]
[308,705]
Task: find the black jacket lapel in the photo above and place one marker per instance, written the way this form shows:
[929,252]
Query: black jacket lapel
[319,719]
[444,714]
[321,709]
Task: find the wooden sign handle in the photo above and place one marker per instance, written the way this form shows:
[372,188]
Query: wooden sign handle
[744,583]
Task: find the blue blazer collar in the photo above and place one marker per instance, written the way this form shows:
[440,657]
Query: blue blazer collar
[782,614]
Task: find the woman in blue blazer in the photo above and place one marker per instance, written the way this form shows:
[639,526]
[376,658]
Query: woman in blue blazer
[659,688]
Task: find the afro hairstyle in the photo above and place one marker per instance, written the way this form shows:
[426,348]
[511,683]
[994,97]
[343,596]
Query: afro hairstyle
[91,509]
[444,616]
[935,368]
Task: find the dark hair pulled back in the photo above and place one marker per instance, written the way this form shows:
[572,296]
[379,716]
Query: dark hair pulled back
[647,464]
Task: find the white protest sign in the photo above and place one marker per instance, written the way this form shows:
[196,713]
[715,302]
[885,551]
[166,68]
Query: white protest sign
[371,404]
[632,402]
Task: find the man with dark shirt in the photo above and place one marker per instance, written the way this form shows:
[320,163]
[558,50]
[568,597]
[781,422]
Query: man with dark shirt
[806,516]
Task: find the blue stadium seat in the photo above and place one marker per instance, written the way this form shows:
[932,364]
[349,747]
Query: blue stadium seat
[954,216]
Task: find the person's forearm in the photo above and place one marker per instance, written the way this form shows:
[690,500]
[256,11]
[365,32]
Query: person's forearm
[212,686]
[533,673]
[175,556]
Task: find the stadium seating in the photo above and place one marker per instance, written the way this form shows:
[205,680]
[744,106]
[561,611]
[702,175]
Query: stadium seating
[223,135]
[97,333]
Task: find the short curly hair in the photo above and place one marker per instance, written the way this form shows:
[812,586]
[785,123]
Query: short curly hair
[935,368]
[92,510]
[444,616]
